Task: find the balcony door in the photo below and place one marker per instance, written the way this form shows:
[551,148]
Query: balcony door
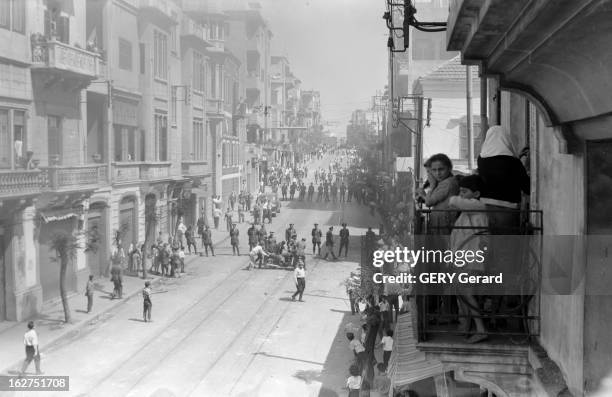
[54,139]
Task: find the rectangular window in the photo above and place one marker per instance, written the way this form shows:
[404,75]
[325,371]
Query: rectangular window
[213,81]
[199,72]
[173,35]
[54,139]
[174,103]
[5,14]
[118,141]
[5,137]
[63,29]
[19,16]
[12,15]
[125,54]
[160,56]
[19,135]
[161,137]
[141,48]
[141,143]
[199,146]
[131,144]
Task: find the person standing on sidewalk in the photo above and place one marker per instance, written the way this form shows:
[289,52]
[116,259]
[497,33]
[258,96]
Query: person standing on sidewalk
[117,280]
[147,305]
[329,243]
[344,240]
[234,233]
[317,234]
[89,291]
[228,219]
[30,340]
[299,275]
[207,241]
[190,240]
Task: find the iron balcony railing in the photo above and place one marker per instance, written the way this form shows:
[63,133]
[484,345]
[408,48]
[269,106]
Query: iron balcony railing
[513,241]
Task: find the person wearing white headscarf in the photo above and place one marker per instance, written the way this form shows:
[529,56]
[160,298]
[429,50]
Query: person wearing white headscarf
[497,143]
[505,178]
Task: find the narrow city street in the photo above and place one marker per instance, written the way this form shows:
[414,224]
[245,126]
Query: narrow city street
[221,330]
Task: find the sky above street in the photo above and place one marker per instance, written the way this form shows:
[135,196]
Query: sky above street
[335,46]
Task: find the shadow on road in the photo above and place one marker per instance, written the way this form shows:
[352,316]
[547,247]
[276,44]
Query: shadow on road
[335,369]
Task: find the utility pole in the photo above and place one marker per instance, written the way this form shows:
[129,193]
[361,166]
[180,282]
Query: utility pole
[418,155]
[470,132]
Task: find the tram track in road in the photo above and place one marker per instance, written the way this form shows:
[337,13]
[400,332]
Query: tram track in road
[272,328]
[197,327]
[193,310]
[181,314]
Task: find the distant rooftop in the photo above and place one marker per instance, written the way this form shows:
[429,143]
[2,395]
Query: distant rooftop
[452,70]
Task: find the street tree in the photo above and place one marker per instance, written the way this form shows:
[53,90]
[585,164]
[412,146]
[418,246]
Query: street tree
[66,246]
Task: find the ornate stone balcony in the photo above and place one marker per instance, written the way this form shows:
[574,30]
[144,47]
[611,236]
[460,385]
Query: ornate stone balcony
[74,178]
[256,119]
[195,168]
[69,61]
[18,183]
[194,32]
[158,10]
[134,172]
[214,106]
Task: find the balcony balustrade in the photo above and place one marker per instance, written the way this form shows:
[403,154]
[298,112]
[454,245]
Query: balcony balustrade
[214,106]
[513,249]
[134,172]
[256,119]
[55,178]
[193,30]
[64,58]
[195,168]
[22,182]
[79,177]
[154,171]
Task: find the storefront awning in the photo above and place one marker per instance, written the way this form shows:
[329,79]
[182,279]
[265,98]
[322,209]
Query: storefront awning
[408,364]
[59,215]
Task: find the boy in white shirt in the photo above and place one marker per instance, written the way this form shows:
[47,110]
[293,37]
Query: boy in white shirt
[387,344]
[353,383]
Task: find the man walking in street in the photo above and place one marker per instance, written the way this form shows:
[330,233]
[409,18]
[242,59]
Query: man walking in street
[234,233]
[320,192]
[30,340]
[299,275]
[311,191]
[216,216]
[147,304]
[207,240]
[317,234]
[89,292]
[253,236]
[329,243]
[344,240]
